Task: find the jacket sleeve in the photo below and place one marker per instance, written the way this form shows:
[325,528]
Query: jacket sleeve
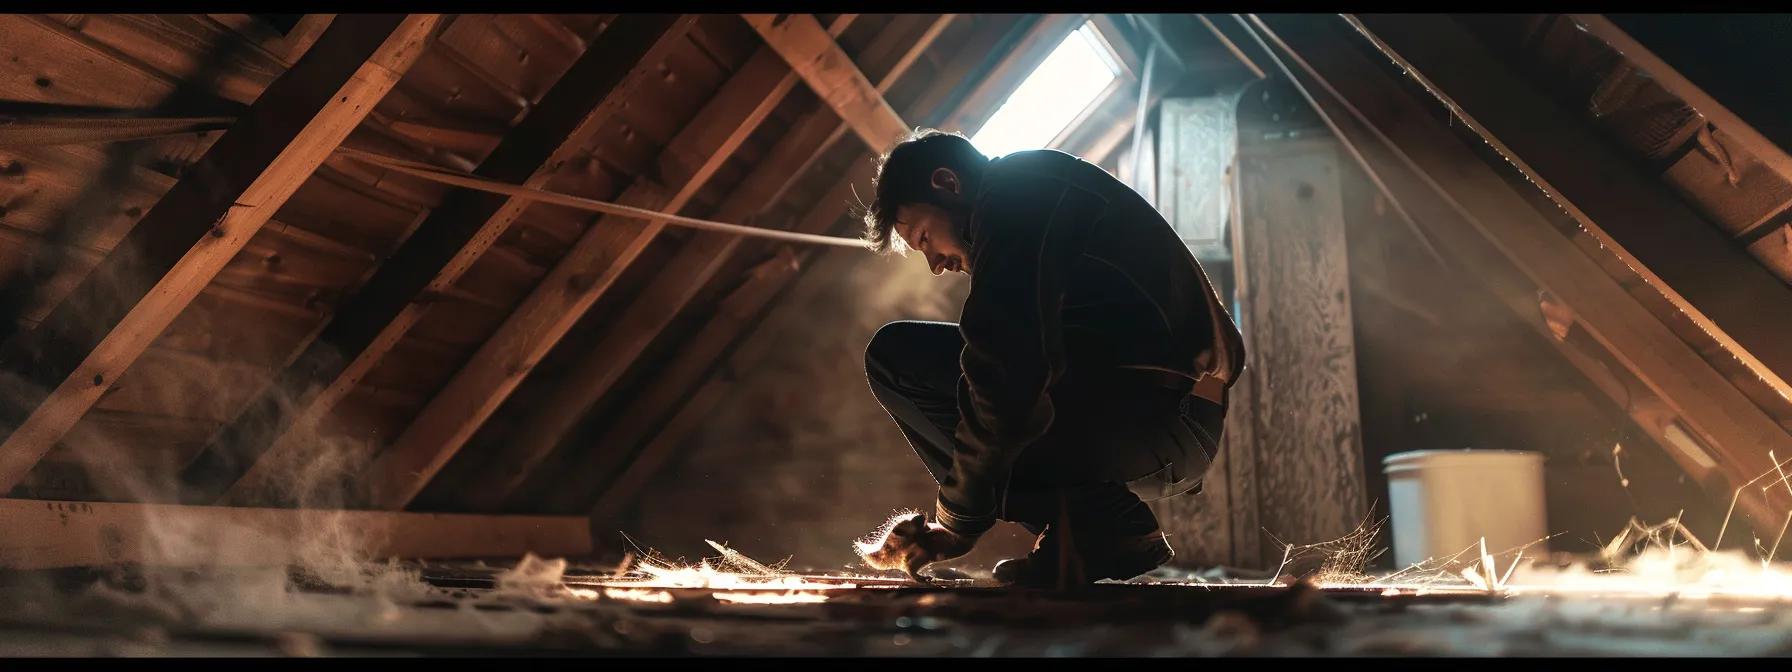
[1024,237]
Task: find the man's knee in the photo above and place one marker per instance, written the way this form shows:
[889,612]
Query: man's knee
[887,348]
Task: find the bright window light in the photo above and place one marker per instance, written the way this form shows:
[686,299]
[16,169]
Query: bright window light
[1058,90]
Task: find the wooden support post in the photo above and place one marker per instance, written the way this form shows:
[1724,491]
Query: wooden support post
[281,422]
[95,334]
[600,256]
[655,307]
[1306,427]
[1483,224]
[38,534]
[814,55]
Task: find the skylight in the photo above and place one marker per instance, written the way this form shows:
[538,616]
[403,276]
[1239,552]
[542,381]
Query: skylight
[1065,84]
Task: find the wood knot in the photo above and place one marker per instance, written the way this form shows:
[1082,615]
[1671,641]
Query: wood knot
[42,82]
[133,212]
[99,379]
[580,282]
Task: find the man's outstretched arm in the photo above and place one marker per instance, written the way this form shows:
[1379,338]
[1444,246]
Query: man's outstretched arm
[1024,238]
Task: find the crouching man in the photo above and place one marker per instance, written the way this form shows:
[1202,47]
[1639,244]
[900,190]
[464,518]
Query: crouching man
[1090,362]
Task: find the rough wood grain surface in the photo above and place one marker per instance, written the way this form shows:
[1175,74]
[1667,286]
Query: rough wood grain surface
[1307,453]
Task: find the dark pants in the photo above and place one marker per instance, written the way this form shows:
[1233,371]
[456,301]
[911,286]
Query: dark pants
[1110,427]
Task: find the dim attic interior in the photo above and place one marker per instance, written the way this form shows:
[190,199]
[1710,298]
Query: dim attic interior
[976,334]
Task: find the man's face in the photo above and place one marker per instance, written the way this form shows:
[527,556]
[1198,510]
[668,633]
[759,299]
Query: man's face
[929,230]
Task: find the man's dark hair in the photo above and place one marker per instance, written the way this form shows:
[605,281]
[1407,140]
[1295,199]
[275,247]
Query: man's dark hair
[905,176]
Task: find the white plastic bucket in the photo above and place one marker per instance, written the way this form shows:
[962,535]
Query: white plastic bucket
[1444,501]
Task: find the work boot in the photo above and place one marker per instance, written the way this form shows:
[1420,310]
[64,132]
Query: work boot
[1092,559]
[1113,534]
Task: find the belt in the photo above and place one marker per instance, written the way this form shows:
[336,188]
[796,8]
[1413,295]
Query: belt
[1208,387]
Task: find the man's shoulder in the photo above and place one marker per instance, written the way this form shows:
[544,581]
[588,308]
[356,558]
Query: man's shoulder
[1026,168]
[1033,160]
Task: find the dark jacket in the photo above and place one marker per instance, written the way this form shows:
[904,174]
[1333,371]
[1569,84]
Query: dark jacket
[1067,262]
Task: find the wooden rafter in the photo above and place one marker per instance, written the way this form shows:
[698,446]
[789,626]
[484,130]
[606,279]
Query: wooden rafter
[1490,229]
[282,421]
[1699,270]
[89,340]
[813,54]
[674,286]
[698,359]
[918,48]
[601,256]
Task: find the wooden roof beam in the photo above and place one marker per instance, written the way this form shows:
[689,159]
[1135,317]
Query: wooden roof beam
[670,393]
[596,261]
[817,58]
[95,334]
[1485,225]
[1697,267]
[275,427]
[919,47]
[673,287]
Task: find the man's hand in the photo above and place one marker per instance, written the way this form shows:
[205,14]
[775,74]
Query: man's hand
[944,544]
[913,543]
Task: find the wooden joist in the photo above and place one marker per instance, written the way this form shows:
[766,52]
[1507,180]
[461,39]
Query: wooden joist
[1491,230]
[655,306]
[813,54]
[282,422]
[37,534]
[594,264]
[197,227]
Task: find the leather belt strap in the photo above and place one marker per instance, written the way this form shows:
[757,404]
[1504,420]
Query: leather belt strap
[1208,387]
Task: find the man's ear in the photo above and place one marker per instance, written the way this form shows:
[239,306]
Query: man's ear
[946,180]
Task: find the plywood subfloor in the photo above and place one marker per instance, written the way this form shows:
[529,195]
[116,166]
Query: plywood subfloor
[460,612]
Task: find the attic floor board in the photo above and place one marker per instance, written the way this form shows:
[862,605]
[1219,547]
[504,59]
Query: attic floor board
[459,612]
